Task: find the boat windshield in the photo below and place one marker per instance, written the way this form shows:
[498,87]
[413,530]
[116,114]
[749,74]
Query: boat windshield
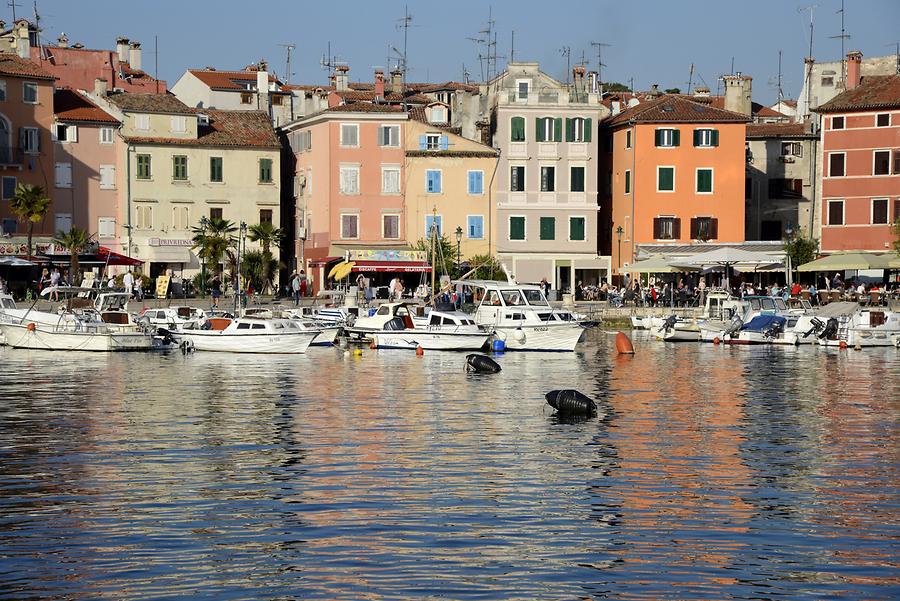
[779,304]
[535,297]
[512,298]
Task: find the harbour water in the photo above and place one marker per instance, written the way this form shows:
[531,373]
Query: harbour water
[716,473]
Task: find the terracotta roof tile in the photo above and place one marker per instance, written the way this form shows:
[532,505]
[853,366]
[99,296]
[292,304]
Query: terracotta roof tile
[673,108]
[226,128]
[225,80]
[779,130]
[873,92]
[364,107]
[149,103]
[756,108]
[16,66]
[69,105]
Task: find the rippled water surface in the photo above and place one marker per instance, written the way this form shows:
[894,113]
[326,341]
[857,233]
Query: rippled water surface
[718,473]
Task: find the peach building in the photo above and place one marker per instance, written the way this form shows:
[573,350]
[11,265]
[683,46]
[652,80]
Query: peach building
[860,140]
[672,172]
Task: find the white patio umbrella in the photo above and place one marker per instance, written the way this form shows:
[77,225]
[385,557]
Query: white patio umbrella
[728,256]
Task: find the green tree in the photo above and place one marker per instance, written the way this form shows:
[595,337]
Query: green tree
[30,204]
[486,268]
[260,268]
[212,240]
[440,256]
[614,86]
[266,234]
[74,241]
[801,250]
[673,91]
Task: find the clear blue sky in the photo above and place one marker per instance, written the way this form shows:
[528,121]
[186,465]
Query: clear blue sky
[652,41]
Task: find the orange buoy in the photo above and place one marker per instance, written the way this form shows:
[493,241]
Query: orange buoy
[31,327]
[623,344]
[419,351]
[716,340]
[842,344]
[372,345]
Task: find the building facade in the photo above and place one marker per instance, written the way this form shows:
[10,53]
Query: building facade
[824,81]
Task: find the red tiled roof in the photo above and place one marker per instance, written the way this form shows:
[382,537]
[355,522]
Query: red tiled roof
[756,108]
[873,92]
[16,66]
[224,80]
[226,128]
[364,107]
[779,130]
[149,103]
[674,108]
[69,105]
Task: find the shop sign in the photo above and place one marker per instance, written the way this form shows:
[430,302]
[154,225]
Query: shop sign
[386,255]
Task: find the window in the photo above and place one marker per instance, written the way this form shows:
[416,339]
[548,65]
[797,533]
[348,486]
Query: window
[548,228]
[836,164]
[476,182]
[433,142]
[704,228]
[30,92]
[791,149]
[883,120]
[179,167]
[827,80]
[665,179]
[181,217]
[433,222]
[522,91]
[433,181]
[835,212]
[576,179]
[143,217]
[475,227]
[143,166]
[2,91]
[246,98]
[548,179]
[666,228]
[837,123]
[666,138]
[438,114]
[107,177]
[215,213]
[106,135]
[349,226]
[62,222]
[63,175]
[704,181]
[628,139]
[142,122]
[179,124]
[628,182]
[31,140]
[265,216]
[706,138]
[9,226]
[578,130]
[390,180]
[882,162]
[897,162]
[9,186]
[65,133]
[278,100]
[389,135]
[548,129]
[516,228]
[349,134]
[349,180]
[879,211]
[517,178]
[785,188]
[265,171]
[106,227]
[576,228]
[215,169]
[390,227]
[517,129]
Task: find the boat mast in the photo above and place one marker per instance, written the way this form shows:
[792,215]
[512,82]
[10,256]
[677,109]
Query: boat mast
[433,234]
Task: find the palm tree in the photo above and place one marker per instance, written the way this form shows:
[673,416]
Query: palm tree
[30,204]
[266,234]
[74,241]
[213,239]
[260,268]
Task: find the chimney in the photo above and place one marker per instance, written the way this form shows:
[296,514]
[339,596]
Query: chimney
[134,55]
[342,79]
[654,90]
[593,82]
[63,40]
[122,49]
[701,92]
[23,39]
[379,83]
[100,87]
[854,64]
[262,90]
[738,93]
[578,74]
[397,81]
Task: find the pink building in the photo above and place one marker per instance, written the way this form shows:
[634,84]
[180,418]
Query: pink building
[349,183]
[861,169]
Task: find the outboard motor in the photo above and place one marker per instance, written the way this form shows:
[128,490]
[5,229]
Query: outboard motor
[734,327]
[830,330]
[669,323]
[165,336]
[817,325]
[774,330]
[481,364]
[395,323]
[571,402]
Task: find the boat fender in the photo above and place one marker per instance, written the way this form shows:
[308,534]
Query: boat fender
[623,344]
[858,346]
[716,340]
[187,346]
[571,402]
[519,334]
[842,344]
[499,346]
[482,364]
[419,351]
[31,327]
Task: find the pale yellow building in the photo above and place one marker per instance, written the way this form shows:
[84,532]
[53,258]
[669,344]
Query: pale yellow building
[450,180]
[180,164]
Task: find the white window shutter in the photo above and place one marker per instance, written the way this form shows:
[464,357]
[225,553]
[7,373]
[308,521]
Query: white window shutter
[53,135]
[72,133]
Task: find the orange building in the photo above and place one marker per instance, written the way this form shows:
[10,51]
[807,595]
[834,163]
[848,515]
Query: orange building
[672,171]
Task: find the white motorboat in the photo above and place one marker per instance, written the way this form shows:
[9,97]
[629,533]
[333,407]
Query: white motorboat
[74,333]
[393,326]
[849,324]
[521,317]
[729,316]
[247,335]
[676,329]
[326,333]
[172,318]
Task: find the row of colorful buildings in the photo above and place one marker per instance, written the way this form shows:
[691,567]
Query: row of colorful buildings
[557,180]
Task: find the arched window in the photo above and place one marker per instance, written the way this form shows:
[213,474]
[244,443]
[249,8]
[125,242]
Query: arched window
[5,146]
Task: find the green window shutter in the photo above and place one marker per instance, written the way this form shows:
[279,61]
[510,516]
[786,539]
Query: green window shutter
[628,182]
[516,228]
[587,130]
[538,129]
[696,137]
[666,178]
[576,228]
[715,137]
[548,228]
[557,129]
[570,130]
[704,180]
[676,138]
[517,129]
[658,137]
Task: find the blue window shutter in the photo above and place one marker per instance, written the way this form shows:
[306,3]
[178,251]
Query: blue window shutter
[479,182]
[444,143]
[421,142]
[471,182]
[437,187]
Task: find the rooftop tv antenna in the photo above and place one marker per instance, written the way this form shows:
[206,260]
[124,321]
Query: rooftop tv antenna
[897,46]
[600,46]
[12,4]
[287,71]
[690,81]
[778,81]
[487,57]
[404,23]
[811,9]
[843,37]
[566,51]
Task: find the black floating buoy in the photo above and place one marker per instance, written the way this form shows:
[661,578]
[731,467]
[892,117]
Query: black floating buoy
[571,402]
[481,364]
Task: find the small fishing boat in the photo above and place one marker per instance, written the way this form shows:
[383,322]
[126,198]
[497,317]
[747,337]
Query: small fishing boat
[73,332]
[761,329]
[393,326]
[246,335]
[676,329]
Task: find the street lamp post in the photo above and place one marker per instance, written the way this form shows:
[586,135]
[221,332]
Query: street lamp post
[237,279]
[204,223]
[619,232]
[459,233]
[789,277]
